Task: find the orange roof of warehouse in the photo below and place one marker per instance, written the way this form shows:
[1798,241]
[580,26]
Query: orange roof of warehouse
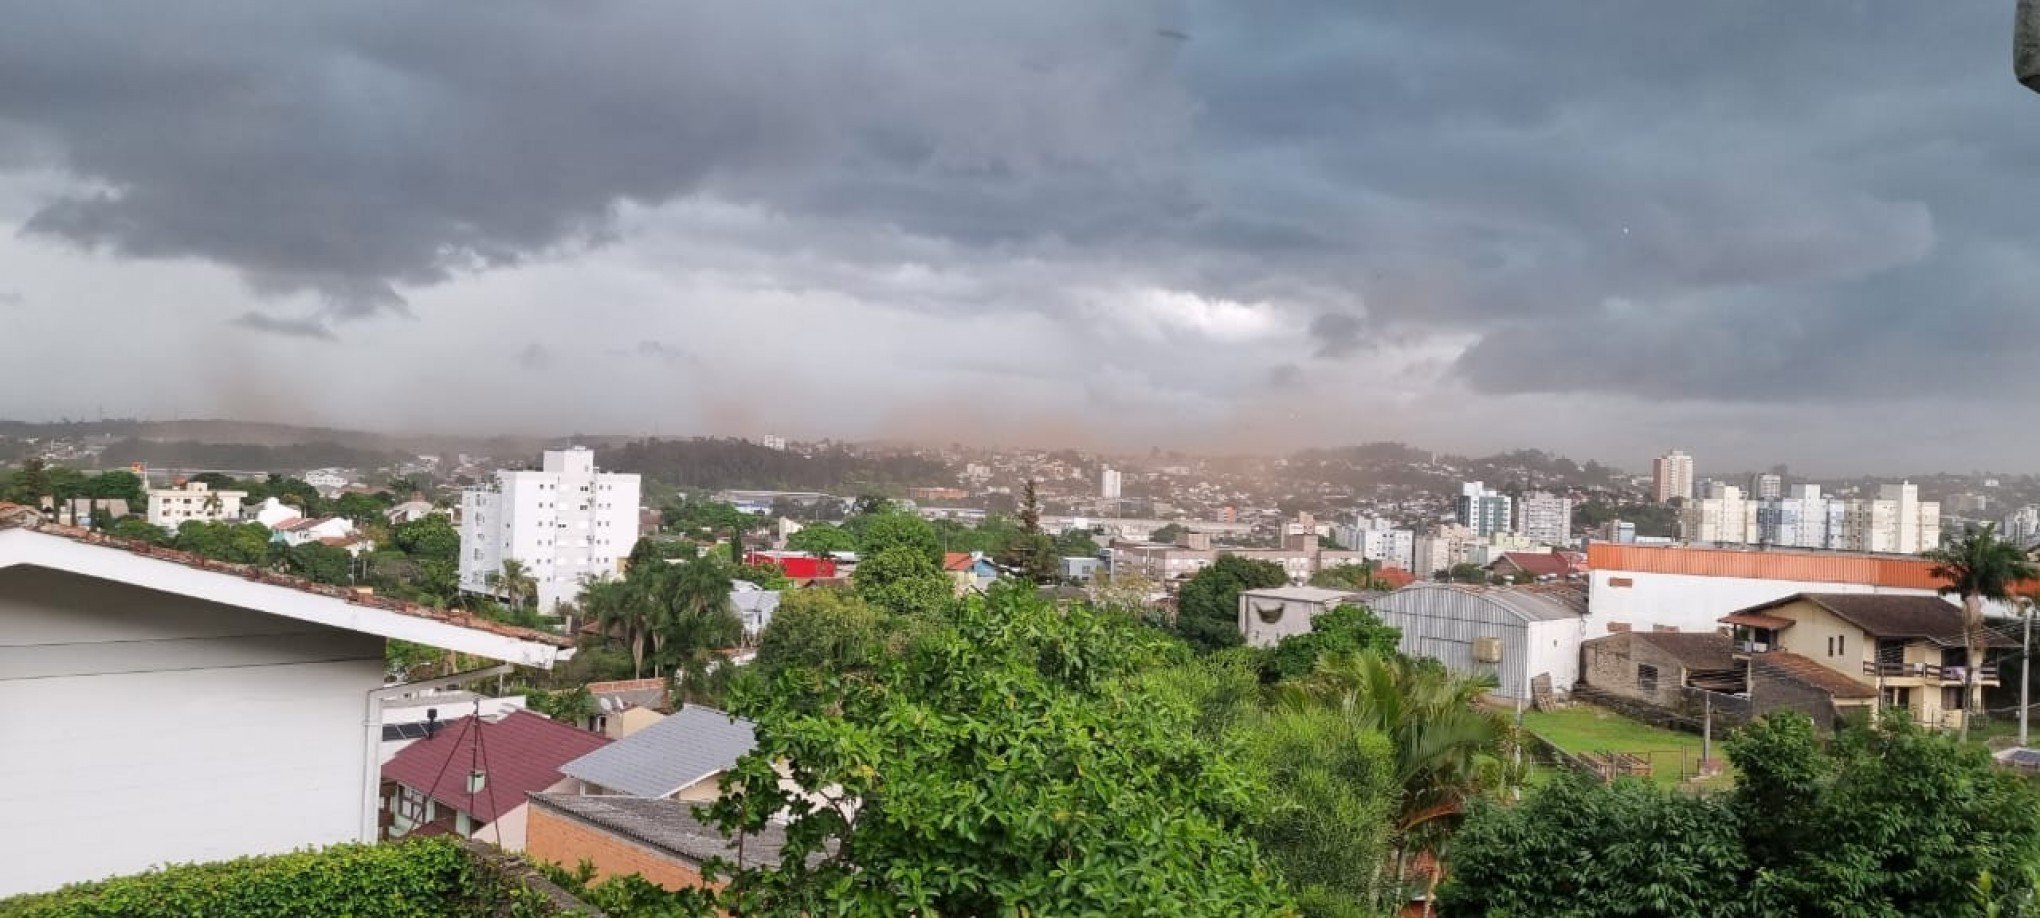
[1899,571]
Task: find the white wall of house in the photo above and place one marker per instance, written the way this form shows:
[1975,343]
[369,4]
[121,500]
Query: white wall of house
[139,727]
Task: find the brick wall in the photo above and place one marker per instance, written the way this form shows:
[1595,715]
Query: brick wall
[1610,665]
[567,841]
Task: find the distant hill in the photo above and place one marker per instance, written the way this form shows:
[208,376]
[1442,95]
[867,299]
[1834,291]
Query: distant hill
[715,463]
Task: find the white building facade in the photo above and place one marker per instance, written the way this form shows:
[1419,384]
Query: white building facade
[1545,518]
[1672,476]
[1109,484]
[170,507]
[566,523]
[1484,510]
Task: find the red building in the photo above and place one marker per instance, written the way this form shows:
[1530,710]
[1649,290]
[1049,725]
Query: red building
[796,564]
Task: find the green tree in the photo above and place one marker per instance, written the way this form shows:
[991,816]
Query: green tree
[899,530]
[824,631]
[568,706]
[429,537]
[1168,534]
[1032,555]
[691,610]
[1009,762]
[618,609]
[240,543]
[1448,748]
[119,484]
[766,576]
[821,538]
[1979,566]
[139,529]
[903,581]
[1330,793]
[320,562]
[363,509]
[1207,607]
[1346,629]
[1586,849]
[1076,543]
[1357,577]
[513,581]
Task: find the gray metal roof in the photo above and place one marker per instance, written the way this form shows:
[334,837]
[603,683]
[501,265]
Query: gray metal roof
[689,745]
[669,826]
[1526,603]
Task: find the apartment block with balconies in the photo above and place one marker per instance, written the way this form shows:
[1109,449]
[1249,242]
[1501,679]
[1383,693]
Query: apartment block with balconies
[1909,649]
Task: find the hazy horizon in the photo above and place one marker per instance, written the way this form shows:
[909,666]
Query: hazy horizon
[1761,233]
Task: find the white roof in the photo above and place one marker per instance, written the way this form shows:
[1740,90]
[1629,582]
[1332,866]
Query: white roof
[1301,594]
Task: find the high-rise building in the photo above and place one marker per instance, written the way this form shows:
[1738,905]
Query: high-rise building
[1672,476]
[1545,518]
[565,523]
[1378,540]
[1108,483]
[1767,486]
[1723,515]
[2023,525]
[1895,521]
[1620,531]
[1484,511]
[1800,519]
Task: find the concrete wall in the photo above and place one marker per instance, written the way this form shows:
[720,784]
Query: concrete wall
[139,728]
[1690,602]
[1290,617]
[567,841]
[1610,664]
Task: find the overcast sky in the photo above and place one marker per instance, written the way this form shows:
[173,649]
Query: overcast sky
[1761,231]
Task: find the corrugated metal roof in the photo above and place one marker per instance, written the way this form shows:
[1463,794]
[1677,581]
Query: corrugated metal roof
[1766,564]
[687,746]
[1538,603]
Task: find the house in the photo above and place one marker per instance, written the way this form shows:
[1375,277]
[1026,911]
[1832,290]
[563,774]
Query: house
[1080,568]
[272,512]
[1269,615]
[969,571]
[1909,650]
[1514,634]
[754,606]
[406,720]
[1657,667]
[471,776]
[625,707]
[410,511]
[679,757]
[235,711]
[355,545]
[657,839]
[1547,566]
[301,531]
[172,507]
[81,511]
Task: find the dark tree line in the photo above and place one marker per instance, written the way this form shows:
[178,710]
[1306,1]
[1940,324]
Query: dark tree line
[716,463]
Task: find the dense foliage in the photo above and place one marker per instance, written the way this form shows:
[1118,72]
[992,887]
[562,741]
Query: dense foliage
[1887,820]
[1346,629]
[425,878]
[1009,761]
[250,456]
[1207,607]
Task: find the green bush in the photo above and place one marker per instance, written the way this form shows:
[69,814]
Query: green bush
[426,878]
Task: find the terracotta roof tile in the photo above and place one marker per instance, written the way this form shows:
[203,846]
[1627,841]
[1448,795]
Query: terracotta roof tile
[16,516]
[1693,649]
[1803,670]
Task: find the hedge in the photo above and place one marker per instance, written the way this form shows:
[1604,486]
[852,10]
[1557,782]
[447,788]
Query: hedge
[425,878]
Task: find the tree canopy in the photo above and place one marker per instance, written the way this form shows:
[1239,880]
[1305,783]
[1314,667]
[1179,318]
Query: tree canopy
[1207,607]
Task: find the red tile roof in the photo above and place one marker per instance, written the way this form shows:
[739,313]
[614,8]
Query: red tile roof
[1805,671]
[956,561]
[16,516]
[1805,566]
[1538,564]
[1395,577]
[521,754]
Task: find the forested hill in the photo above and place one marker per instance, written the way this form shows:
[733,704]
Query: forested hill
[717,463]
[253,457]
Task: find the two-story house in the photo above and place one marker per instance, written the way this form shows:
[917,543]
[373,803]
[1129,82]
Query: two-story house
[1909,649]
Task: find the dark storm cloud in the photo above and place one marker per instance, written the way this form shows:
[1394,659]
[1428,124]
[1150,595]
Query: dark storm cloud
[290,328]
[1736,201]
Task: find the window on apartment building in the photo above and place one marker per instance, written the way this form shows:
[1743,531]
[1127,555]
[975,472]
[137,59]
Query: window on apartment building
[1841,645]
[1646,678]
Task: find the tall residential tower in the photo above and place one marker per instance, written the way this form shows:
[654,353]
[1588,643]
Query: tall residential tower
[565,523]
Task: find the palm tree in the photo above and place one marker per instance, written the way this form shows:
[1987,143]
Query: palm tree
[1978,566]
[514,581]
[615,607]
[691,610]
[1447,748]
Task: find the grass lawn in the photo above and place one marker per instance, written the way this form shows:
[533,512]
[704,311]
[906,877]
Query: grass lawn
[1585,728]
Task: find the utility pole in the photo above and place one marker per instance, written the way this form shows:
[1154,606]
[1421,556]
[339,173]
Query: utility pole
[1706,728]
[2025,677]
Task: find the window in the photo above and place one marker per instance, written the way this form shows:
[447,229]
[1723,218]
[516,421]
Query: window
[1646,678]
[1831,646]
[1951,698]
[1842,644]
[1621,582]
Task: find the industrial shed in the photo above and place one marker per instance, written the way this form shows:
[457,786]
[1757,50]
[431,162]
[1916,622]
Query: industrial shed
[1513,633]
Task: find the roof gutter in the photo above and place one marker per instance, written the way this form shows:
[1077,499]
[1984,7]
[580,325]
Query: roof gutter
[371,736]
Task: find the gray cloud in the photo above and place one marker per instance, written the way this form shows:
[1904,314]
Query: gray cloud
[313,328]
[534,356]
[1733,204]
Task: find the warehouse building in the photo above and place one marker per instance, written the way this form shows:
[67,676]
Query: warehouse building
[1512,633]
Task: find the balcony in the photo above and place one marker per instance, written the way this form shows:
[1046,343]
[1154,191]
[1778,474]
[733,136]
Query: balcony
[1752,647]
[1928,671]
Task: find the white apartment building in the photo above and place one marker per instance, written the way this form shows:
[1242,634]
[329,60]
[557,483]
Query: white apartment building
[1800,519]
[1895,521]
[1545,518]
[1446,547]
[1379,540]
[2022,525]
[566,523]
[170,507]
[1724,515]
[1672,476]
[1109,484]
[1484,510]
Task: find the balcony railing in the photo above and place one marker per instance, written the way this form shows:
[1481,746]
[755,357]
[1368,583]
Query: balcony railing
[1752,647]
[1928,671]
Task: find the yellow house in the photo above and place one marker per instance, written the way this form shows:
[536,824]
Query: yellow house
[1909,649]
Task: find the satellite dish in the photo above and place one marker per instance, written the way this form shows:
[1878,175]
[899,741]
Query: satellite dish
[2026,44]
